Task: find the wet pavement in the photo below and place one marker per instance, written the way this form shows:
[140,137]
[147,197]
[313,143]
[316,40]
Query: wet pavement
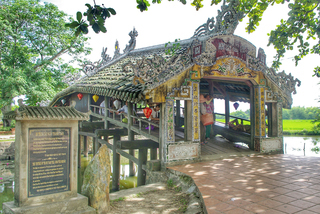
[258,184]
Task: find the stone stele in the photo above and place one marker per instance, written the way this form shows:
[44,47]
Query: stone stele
[97,179]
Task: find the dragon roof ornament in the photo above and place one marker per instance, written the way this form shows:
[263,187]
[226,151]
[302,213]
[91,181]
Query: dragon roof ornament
[227,21]
[91,68]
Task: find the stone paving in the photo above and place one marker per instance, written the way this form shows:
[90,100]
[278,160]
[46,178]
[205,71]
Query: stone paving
[258,184]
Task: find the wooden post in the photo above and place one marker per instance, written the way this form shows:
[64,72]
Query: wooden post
[227,110]
[116,165]
[79,151]
[162,133]
[153,154]
[188,120]
[178,113]
[252,118]
[131,137]
[142,161]
[96,145]
[106,113]
[85,146]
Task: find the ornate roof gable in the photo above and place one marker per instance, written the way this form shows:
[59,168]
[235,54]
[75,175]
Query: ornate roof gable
[227,21]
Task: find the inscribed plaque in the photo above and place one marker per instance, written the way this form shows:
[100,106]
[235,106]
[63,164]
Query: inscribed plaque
[49,161]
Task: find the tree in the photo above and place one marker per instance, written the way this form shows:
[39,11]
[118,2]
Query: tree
[33,38]
[241,114]
[294,33]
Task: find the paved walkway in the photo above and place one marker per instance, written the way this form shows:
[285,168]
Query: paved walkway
[258,184]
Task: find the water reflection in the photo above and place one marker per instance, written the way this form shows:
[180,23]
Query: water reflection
[305,146]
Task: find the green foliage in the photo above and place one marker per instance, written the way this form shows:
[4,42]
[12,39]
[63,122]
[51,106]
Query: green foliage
[302,113]
[170,183]
[33,38]
[241,114]
[96,16]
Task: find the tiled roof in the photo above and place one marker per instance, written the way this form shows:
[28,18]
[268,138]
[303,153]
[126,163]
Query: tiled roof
[45,113]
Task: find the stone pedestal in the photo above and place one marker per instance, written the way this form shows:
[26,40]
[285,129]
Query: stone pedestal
[74,205]
[46,150]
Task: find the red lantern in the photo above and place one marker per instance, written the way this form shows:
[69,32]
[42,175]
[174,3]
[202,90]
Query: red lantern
[147,112]
[236,105]
[80,96]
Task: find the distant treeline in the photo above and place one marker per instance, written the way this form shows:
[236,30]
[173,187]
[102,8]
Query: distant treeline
[295,113]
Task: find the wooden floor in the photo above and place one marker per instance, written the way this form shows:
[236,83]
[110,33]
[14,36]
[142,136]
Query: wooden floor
[218,147]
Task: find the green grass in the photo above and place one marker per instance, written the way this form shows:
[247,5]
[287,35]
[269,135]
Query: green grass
[297,125]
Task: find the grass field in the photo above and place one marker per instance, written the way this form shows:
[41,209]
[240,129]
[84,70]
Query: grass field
[289,125]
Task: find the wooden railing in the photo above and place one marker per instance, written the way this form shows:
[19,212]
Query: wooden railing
[239,118]
[108,113]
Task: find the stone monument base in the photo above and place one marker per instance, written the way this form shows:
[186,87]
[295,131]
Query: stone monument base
[77,205]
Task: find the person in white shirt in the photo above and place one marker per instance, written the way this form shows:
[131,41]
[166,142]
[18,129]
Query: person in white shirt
[124,109]
[154,112]
[117,104]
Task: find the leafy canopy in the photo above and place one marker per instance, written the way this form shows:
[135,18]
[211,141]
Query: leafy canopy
[294,33]
[32,40]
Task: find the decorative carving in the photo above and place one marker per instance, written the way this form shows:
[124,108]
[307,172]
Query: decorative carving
[227,21]
[104,56]
[272,96]
[89,68]
[183,93]
[170,121]
[116,50]
[233,67]
[70,79]
[205,29]
[157,69]
[262,56]
[195,112]
[132,43]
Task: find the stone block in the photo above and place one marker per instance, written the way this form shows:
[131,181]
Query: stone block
[77,205]
[154,165]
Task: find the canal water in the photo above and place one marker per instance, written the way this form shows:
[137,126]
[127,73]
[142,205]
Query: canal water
[294,145]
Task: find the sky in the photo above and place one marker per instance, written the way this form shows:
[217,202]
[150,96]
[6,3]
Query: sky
[172,20]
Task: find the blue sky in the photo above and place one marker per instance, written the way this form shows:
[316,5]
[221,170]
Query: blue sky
[171,20]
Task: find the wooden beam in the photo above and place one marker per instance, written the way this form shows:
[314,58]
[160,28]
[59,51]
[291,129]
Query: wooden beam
[108,132]
[219,88]
[88,134]
[137,144]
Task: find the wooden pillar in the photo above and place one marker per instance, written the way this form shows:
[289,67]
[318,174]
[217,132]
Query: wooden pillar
[116,165]
[227,110]
[106,113]
[162,133]
[274,119]
[142,160]
[79,151]
[153,154]
[96,145]
[130,137]
[178,113]
[85,146]
[188,120]
[252,118]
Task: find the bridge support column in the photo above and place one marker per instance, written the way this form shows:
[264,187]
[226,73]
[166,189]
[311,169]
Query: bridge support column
[142,161]
[85,146]
[116,165]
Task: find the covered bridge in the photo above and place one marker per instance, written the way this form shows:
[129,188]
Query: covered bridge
[213,61]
